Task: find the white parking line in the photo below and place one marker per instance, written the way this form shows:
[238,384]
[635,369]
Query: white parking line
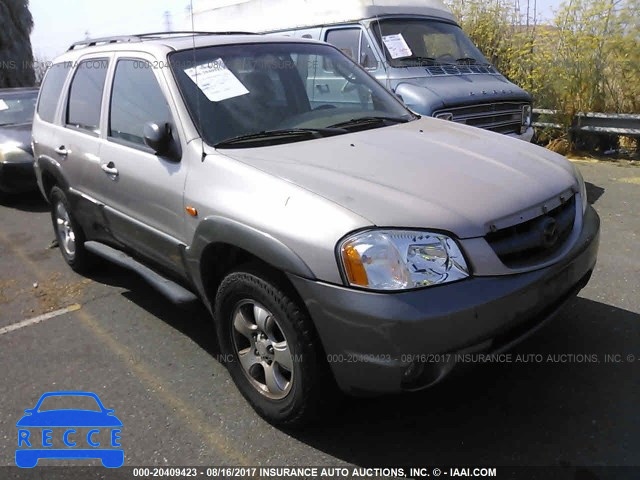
[40,318]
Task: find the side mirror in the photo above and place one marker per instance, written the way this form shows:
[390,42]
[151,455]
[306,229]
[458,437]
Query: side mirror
[158,137]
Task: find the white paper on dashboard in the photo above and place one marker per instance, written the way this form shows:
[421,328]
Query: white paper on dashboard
[216,81]
[3,105]
[397,46]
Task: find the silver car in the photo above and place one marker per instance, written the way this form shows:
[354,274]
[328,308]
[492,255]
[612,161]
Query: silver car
[348,246]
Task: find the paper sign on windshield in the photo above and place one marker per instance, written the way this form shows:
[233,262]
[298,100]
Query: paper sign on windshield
[216,81]
[3,105]
[397,46]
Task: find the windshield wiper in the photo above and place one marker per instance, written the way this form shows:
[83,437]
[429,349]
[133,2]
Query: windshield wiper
[364,121]
[275,134]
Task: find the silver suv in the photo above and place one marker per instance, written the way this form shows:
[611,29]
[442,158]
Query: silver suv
[349,244]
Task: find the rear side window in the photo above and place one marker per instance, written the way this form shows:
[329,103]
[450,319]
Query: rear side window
[51,90]
[85,95]
[136,99]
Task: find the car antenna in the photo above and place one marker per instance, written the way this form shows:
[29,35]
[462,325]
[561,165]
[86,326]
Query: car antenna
[195,69]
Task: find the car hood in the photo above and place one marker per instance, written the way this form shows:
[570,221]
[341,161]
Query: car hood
[428,94]
[424,174]
[69,418]
[18,134]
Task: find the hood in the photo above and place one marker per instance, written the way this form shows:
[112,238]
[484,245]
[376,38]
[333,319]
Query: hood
[18,134]
[428,94]
[69,418]
[423,174]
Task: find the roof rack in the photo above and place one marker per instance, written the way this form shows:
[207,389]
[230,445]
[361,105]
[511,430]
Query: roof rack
[140,37]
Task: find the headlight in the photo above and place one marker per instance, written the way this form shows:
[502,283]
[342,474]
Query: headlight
[401,259]
[527,118]
[582,188]
[10,152]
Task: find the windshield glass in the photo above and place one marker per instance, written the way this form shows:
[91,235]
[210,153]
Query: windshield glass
[17,108]
[238,90]
[417,42]
[69,402]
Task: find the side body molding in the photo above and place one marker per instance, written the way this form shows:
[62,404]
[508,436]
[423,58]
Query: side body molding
[221,230]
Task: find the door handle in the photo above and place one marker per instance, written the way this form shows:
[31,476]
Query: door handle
[109,169]
[323,88]
[61,150]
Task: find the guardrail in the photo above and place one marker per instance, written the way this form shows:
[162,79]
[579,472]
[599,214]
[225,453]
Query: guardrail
[595,123]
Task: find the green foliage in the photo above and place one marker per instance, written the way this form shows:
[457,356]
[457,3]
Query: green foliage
[16,57]
[586,59]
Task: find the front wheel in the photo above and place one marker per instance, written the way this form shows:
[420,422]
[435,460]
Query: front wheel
[69,235]
[271,349]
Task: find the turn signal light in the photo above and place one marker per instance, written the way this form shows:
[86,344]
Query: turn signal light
[354,267]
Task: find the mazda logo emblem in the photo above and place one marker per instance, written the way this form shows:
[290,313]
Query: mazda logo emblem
[549,228]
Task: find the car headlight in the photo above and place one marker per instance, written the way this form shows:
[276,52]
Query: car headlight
[10,152]
[527,118]
[401,259]
[582,187]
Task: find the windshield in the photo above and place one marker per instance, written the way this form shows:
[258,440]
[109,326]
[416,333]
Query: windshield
[17,108]
[69,402]
[241,90]
[417,42]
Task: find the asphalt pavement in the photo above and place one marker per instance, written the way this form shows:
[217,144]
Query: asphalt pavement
[572,398]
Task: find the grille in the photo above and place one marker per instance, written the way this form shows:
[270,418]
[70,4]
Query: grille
[533,242]
[505,117]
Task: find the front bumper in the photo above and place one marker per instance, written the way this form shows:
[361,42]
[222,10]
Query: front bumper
[17,177]
[371,339]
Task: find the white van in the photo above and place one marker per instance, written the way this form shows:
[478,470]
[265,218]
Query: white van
[414,48]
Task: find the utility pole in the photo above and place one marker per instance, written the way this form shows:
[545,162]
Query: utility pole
[168,23]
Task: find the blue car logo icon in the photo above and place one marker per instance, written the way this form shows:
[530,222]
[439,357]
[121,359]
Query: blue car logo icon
[81,432]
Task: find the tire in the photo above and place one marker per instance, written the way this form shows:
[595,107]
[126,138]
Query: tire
[68,233]
[249,297]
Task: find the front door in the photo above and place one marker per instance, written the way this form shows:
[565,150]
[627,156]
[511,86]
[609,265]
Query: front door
[142,191]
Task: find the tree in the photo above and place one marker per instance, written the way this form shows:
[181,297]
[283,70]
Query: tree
[16,56]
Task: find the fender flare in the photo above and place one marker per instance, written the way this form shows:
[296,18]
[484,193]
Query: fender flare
[222,230]
[51,167]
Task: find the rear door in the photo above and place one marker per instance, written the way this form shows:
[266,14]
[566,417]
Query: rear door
[142,191]
[46,121]
[76,143]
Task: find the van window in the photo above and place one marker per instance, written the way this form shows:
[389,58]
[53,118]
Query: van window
[347,40]
[353,43]
[51,90]
[85,95]
[136,99]
[367,57]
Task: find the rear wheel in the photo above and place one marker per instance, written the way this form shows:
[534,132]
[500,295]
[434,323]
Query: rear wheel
[68,233]
[271,349]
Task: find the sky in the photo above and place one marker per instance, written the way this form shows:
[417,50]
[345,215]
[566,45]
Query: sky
[59,23]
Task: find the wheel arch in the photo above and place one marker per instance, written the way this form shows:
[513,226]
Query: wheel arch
[51,176]
[221,244]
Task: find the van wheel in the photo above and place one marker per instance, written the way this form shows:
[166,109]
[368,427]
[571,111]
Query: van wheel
[270,349]
[68,233]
